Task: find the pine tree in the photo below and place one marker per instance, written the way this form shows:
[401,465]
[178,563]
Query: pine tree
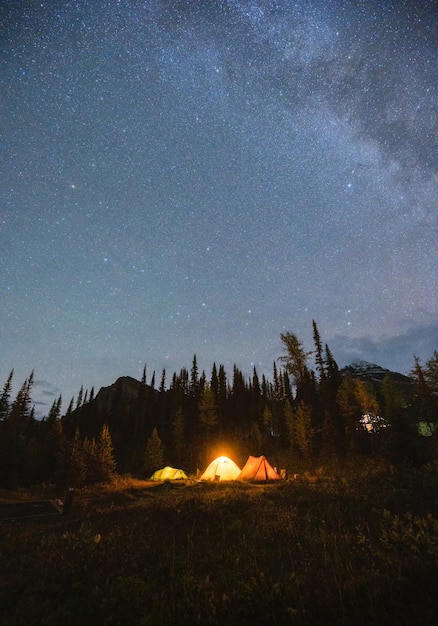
[194,378]
[89,451]
[75,462]
[80,398]
[367,399]
[431,372]
[295,359]
[425,391]
[304,433]
[208,411]
[53,446]
[70,407]
[333,424]
[356,399]
[278,392]
[319,360]
[267,420]
[402,432]
[154,454]
[5,397]
[289,419]
[214,382]
[163,381]
[55,410]
[178,434]
[105,455]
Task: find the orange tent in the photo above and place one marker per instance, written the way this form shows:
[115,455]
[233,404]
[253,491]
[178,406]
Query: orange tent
[258,468]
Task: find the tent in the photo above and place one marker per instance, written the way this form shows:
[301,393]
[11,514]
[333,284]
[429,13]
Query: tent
[258,468]
[221,468]
[168,473]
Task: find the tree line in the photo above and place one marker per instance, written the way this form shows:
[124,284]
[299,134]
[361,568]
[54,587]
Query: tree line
[302,416]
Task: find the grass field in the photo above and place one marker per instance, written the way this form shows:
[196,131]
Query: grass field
[357,548]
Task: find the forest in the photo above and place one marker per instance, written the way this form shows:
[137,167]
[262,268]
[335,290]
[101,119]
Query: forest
[303,417]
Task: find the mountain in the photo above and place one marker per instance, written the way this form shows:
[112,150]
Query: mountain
[375,374]
[118,405]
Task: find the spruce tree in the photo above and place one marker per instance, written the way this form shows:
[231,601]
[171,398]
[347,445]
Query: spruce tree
[105,455]
[75,462]
[304,434]
[178,435]
[319,360]
[208,417]
[163,381]
[431,372]
[5,397]
[289,419]
[402,434]
[295,359]
[80,398]
[154,454]
[194,378]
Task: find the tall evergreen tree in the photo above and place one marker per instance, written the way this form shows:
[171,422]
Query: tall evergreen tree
[208,410]
[295,359]
[163,381]
[425,393]
[304,431]
[295,363]
[268,421]
[80,398]
[6,396]
[319,360]
[356,399]
[55,410]
[333,425]
[75,462]
[194,378]
[105,455]
[431,372]
[178,435]
[289,419]
[154,454]
[278,392]
[208,414]
[402,433]
[214,382]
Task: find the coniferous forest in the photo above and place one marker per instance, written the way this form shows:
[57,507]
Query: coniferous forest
[307,414]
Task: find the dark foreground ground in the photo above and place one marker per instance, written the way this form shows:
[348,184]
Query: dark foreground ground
[357,549]
[24,510]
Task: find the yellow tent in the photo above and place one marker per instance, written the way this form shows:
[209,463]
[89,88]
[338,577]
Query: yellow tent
[221,468]
[168,473]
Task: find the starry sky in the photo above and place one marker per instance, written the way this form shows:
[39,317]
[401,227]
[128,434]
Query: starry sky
[184,177]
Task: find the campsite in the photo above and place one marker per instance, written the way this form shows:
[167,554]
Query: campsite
[357,547]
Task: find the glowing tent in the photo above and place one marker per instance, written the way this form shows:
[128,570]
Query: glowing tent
[258,468]
[221,468]
[168,473]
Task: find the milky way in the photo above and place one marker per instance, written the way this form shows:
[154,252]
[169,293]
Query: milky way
[187,177]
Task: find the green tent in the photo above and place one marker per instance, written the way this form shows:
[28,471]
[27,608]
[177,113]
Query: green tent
[169,473]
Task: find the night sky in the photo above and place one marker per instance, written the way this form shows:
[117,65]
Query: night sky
[198,177]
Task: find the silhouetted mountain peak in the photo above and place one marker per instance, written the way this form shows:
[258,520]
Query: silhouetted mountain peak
[371,372]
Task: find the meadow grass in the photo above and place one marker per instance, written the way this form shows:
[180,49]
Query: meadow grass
[359,547]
